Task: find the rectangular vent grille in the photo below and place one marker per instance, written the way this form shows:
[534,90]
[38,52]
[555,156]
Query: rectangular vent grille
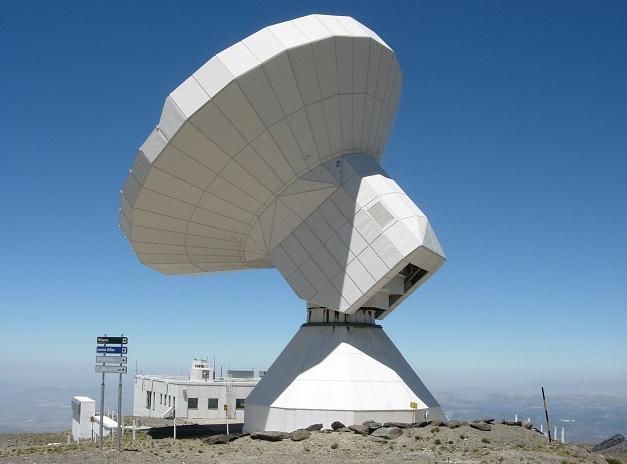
[380,214]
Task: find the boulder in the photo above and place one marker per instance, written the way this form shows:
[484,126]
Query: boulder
[422,424]
[360,429]
[269,436]
[481,426]
[528,425]
[400,425]
[223,439]
[299,435]
[439,423]
[372,425]
[487,421]
[377,439]
[389,433]
[609,443]
[313,427]
[217,440]
[506,422]
[453,424]
[344,429]
[337,425]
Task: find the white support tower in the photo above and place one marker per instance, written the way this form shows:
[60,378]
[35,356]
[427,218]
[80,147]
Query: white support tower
[348,371]
[268,156]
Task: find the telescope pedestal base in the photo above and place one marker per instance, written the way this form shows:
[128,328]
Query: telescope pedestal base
[347,372]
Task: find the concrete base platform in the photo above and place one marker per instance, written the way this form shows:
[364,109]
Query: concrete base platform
[338,372]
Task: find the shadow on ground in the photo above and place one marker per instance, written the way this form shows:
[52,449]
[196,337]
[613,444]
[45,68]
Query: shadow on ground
[193,431]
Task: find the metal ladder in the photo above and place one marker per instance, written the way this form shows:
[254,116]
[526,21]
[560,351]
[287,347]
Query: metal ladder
[229,398]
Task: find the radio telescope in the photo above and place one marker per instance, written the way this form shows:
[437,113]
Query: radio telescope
[268,157]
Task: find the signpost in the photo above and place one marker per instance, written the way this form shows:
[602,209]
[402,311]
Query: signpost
[111,365]
[101,428]
[226,413]
[413,405]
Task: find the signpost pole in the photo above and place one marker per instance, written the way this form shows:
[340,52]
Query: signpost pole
[102,391]
[413,405]
[226,414]
[120,410]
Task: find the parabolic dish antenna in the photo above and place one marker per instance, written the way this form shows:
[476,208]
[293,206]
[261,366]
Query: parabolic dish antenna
[268,156]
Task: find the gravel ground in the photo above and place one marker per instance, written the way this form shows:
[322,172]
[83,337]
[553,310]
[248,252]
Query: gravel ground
[504,444]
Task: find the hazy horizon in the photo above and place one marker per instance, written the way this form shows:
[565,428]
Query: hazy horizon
[510,381]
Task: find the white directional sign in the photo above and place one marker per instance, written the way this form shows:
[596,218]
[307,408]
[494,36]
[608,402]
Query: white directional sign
[111,369]
[111,359]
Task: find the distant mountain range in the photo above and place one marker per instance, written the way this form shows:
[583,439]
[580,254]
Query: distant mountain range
[585,418]
[28,408]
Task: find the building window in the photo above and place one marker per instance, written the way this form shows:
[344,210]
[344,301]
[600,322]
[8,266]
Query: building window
[212,403]
[169,400]
[160,398]
[192,403]
[239,403]
[148,399]
[76,410]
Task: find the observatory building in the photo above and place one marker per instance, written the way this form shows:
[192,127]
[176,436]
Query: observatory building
[199,396]
[268,156]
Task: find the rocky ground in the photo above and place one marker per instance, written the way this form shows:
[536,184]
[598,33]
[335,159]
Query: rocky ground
[427,444]
[614,447]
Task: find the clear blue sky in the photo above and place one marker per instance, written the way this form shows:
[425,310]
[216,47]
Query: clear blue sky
[511,136]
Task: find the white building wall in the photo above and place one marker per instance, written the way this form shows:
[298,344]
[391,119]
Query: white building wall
[166,393]
[83,409]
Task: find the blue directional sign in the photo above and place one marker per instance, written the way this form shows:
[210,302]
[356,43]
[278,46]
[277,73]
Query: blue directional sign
[111,349]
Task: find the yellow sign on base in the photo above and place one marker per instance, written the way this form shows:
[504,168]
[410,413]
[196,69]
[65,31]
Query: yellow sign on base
[226,407]
[413,405]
